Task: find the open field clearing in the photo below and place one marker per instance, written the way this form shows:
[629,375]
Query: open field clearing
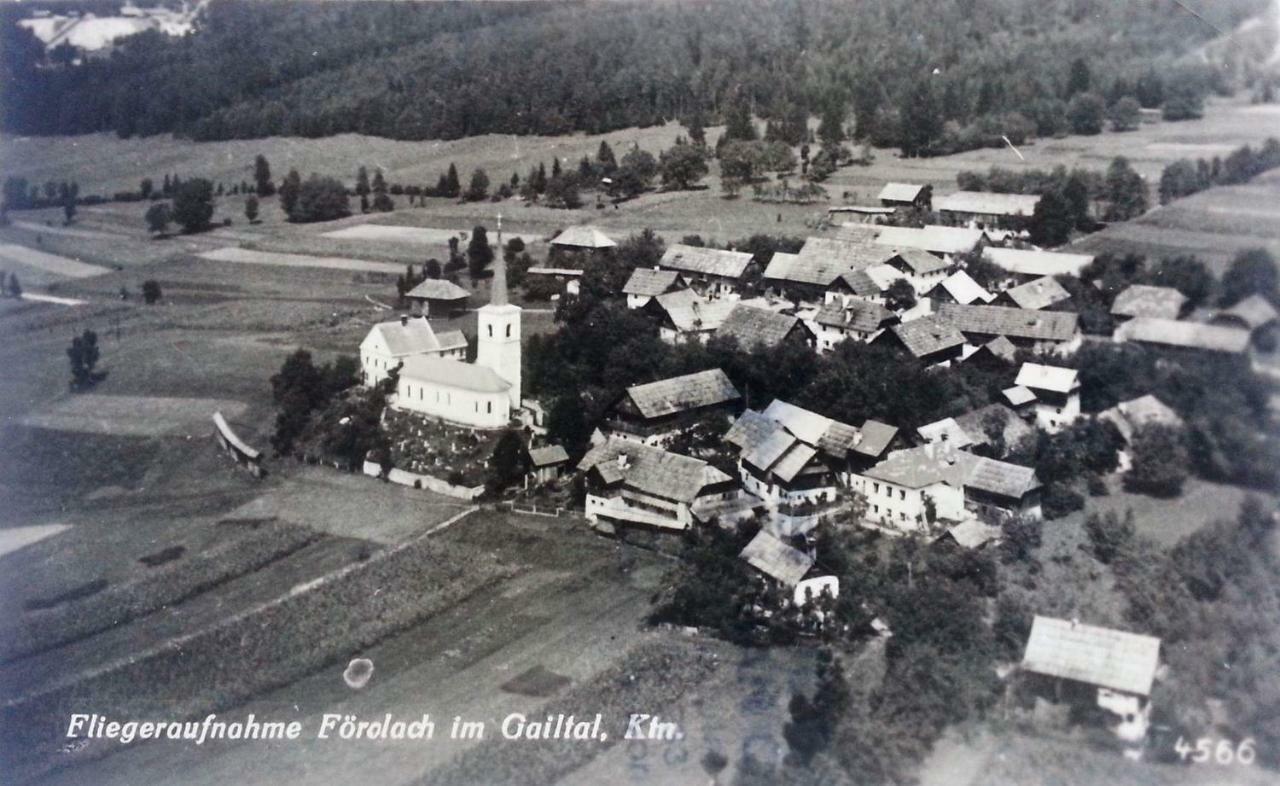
[133,416]
[15,538]
[50,263]
[250,257]
[416,235]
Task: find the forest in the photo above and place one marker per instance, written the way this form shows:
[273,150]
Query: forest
[906,73]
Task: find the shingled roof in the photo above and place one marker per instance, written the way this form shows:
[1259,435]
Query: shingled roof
[690,312]
[942,463]
[683,393]
[1011,322]
[919,261]
[453,373]
[775,559]
[1098,656]
[651,283]
[988,203]
[437,289]
[1038,293]
[858,282]
[822,259]
[548,456]
[651,470]
[1142,300]
[706,261]
[858,315]
[964,290]
[1185,335]
[586,236]
[415,337]
[928,335]
[1129,416]
[900,192]
[751,326]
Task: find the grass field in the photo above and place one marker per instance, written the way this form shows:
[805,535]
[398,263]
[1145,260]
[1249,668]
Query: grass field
[250,257]
[133,416]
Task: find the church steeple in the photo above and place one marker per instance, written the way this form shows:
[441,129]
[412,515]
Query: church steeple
[498,287]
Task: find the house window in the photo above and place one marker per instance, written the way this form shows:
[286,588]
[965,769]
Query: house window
[877,487]
[902,494]
[491,331]
[489,407]
[508,331]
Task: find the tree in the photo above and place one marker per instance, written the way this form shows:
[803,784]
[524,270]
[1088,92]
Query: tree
[1109,534]
[682,166]
[262,176]
[831,125]
[1052,220]
[362,182]
[567,424]
[193,204]
[738,125]
[83,354]
[452,186]
[605,161]
[1159,461]
[1179,179]
[145,188]
[1126,191]
[508,463]
[922,121]
[635,173]
[69,208]
[431,269]
[289,191]
[900,295]
[15,286]
[562,191]
[1252,272]
[381,201]
[1125,114]
[1186,274]
[150,291]
[320,199]
[1085,114]
[251,208]
[740,164]
[158,218]
[1183,100]
[1079,78]
[479,253]
[478,188]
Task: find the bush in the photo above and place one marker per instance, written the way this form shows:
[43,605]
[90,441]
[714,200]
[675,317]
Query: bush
[320,199]
[1159,461]
[1109,534]
[1060,500]
[150,291]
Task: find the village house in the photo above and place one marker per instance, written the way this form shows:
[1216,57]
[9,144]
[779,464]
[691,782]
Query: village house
[784,564]
[1255,314]
[582,239]
[751,326]
[856,319]
[1088,667]
[711,272]
[645,284]
[908,196]
[388,344]
[930,340]
[942,241]
[808,274]
[546,464]
[1024,264]
[1130,416]
[1141,300]
[654,412]
[959,287]
[869,284]
[994,429]
[987,209]
[995,354]
[1179,335]
[438,297]
[922,270]
[1040,331]
[569,279]
[1034,295]
[930,488]
[635,485]
[1057,392]
[684,315]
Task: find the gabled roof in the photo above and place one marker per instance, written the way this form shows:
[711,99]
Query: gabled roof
[1034,262]
[683,393]
[765,437]
[750,429]
[586,236]
[859,282]
[1038,293]
[932,238]
[452,373]
[860,315]
[805,424]
[410,337]
[988,203]
[928,335]
[1187,335]
[974,424]
[821,260]
[776,559]
[1254,311]
[876,436]
[437,289]
[919,261]
[900,192]
[690,312]
[972,533]
[946,430]
[1142,300]
[452,339]
[999,477]
[751,326]
[1011,322]
[652,470]
[1129,416]
[1018,395]
[1002,348]
[706,261]
[649,282]
[548,456]
[964,290]
[1037,376]
[1104,657]
[942,463]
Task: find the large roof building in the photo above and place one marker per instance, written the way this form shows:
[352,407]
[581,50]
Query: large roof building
[1177,334]
[1102,657]
[582,238]
[1141,300]
[654,411]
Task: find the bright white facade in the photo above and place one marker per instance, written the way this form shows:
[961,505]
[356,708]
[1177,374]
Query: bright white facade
[388,344]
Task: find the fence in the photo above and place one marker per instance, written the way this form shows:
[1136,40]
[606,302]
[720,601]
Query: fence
[237,448]
[402,478]
[534,510]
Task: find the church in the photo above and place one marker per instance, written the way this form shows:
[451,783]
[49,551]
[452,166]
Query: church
[484,394]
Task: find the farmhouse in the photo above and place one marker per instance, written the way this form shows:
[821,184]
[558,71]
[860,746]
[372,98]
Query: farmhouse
[931,339]
[988,209]
[959,287]
[1025,264]
[994,427]
[775,559]
[546,464]
[654,412]
[906,195]
[1040,331]
[1130,416]
[941,241]
[869,285]
[645,284]
[1176,334]
[856,319]
[388,344]
[1141,300]
[483,394]
[683,315]
[582,238]
[1090,666]
[632,484]
[1057,392]
[711,272]
[1036,294]
[751,326]
[819,263]
[438,296]
[922,270]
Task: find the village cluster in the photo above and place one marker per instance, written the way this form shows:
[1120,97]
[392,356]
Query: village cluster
[794,467]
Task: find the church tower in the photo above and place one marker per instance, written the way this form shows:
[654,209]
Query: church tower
[498,326]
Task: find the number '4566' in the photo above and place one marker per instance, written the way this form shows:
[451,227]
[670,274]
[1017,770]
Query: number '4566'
[1207,749]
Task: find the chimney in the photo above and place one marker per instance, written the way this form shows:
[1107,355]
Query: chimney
[622,461]
[404,320]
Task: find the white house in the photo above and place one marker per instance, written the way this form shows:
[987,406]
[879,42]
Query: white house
[388,344]
[645,284]
[1057,392]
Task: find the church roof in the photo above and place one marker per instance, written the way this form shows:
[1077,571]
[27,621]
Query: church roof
[405,337]
[447,372]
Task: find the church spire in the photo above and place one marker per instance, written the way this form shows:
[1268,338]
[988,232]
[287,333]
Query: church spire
[498,288]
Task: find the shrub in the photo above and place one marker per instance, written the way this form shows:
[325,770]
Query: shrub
[1159,461]
[1109,534]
